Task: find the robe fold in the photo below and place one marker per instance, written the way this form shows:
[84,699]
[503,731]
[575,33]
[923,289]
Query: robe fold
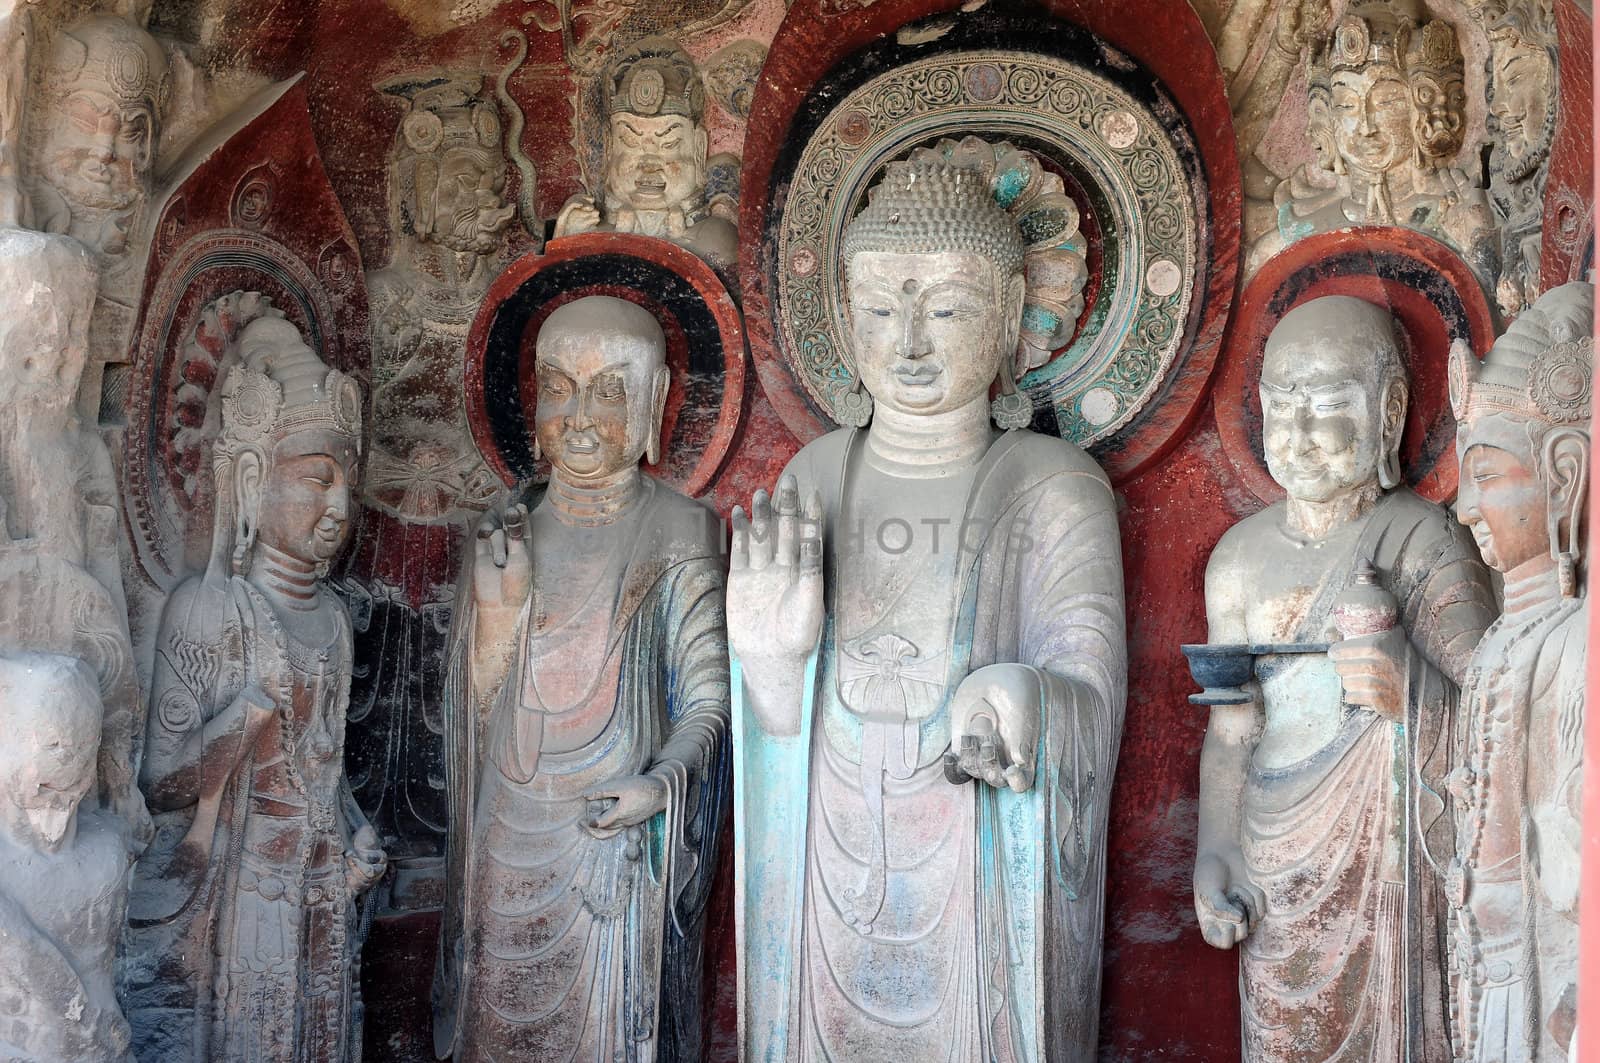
[884,912]
[559,945]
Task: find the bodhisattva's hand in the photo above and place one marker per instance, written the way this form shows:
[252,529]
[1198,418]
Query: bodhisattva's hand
[775,578]
[365,861]
[502,571]
[1227,903]
[1372,669]
[578,215]
[994,725]
[635,798]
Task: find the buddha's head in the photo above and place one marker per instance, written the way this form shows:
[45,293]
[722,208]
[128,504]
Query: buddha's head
[1523,434]
[44,327]
[47,762]
[104,89]
[1370,97]
[1435,70]
[601,364]
[289,449]
[655,149]
[1333,399]
[933,288]
[449,168]
[1522,73]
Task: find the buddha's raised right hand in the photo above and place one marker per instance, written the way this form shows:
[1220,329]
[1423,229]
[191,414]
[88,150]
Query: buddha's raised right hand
[775,604]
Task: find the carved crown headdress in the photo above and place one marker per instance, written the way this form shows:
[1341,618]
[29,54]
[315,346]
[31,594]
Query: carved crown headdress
[446,111]
[112,54]
[280,386]
[655,77]
[994,200]
[1370,33]
[1542,369]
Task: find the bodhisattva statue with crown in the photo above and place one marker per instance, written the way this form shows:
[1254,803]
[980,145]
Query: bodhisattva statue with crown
[243,929]
[1323,834]
[655,161]
[1523,437]
[933,664]
[587,717]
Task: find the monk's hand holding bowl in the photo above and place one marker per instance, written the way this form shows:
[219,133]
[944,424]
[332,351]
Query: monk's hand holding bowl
[994,725]
[1372,669]
[635,798]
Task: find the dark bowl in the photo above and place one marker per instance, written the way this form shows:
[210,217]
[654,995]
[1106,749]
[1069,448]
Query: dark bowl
[1223,665]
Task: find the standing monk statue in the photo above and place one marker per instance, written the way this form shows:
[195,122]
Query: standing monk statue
[1322,822]
[587,719]
[1524,416]
[934,671]
[243,928]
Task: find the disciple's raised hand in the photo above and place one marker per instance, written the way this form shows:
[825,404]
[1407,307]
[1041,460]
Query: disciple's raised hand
[503,564]
[775,577]
[1226,902]
[634,799]
[1372,670]
[994,725]
[578,215]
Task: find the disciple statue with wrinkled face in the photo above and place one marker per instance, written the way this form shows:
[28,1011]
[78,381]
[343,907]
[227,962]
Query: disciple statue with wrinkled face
[94,126]
[1322,836]
[243,929]
[587,715]
[928,630]
[1397,102]
[63,869]
[655,157]
[1524,440]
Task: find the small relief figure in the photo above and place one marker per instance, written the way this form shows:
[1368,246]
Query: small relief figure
[1398,117]
[94,126]
[1522,123]
[1523,439]
[1323,834]
[448,218]
[63,870]
[243,930]
[60,581]
[655,163]
[924,792]
[587,709]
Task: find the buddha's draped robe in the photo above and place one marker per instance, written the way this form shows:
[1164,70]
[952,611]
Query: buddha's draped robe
[1349,842]
[884,912]
[559,945]
[1513,888]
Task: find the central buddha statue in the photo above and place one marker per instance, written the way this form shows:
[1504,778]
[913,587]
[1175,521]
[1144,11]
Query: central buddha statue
[931,667]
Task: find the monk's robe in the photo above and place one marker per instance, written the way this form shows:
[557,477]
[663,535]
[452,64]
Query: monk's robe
[559,945]
[1349,843]
[886,913]
[1514,885]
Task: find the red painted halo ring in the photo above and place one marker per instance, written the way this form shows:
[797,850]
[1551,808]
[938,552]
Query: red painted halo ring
[1431,292]
[705,340]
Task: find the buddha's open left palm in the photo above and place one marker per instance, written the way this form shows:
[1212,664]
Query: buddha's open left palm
[775,578]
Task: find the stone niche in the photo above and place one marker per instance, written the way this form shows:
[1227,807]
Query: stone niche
[401,193]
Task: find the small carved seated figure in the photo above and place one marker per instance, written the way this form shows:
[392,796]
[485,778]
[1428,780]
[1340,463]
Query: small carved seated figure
[587,713]
[655,157]
[1321,837]
[63,870]
[1523,436]
[243,915]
